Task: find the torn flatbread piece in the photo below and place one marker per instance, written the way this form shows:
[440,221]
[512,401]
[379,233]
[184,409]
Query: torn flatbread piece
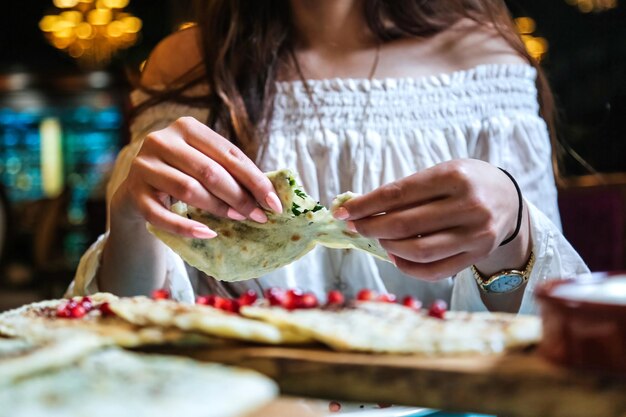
[20,358]
[247,249]
[207,320]
[392,328]
[123,384]
[40,320]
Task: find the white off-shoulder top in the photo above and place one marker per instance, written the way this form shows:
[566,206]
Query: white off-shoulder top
[489,112]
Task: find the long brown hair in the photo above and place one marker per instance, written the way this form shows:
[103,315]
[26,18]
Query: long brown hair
[244,41]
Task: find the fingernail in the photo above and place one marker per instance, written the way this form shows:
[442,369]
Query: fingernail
[393,259]
[341,213]
[273,201]
[234,214]
[350,226]
[201,232]
[258,216]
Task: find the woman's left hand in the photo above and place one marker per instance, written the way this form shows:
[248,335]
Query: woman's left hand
[440,220]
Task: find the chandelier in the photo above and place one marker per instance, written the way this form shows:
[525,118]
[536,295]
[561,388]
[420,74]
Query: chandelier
[91,31]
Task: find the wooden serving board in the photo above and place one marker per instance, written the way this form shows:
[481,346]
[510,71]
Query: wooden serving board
[515,385]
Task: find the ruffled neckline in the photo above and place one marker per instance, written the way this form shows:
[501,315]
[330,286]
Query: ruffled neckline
[477,73]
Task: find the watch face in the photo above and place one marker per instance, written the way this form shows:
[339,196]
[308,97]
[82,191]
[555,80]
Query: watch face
[506,283]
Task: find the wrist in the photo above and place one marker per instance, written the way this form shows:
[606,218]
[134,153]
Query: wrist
[513,255]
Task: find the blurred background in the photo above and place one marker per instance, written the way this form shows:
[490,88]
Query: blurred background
[64,110]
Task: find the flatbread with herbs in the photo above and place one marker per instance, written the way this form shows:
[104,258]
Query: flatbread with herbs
[393,328]
[246,249]
[202,319]
[122,384]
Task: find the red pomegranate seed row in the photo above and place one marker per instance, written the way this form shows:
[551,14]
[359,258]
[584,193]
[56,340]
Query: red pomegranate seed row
[228,304]
[73,309]
[292,299]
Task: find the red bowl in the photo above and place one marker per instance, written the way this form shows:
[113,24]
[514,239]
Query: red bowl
[584,321]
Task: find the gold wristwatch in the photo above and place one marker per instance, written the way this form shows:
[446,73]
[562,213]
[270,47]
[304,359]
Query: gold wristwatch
[505,281]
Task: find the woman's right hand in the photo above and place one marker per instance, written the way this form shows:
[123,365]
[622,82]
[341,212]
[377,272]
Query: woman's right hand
[189,162]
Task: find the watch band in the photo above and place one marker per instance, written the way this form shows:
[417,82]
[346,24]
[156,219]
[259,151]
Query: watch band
[484,283]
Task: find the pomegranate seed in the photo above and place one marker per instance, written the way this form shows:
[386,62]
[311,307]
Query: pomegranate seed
[438,309]
[206,300]
[366,295]
[77,312]
[275,296]
[86,303]
[234,306]
[221,303]
[71,304]
[412,302]
[291,300]
[105,310]
[248,298]
[335,297]
[386,298]
[334,407]
[63,312]
[384,405]
[161,294]
[226,304]
[308,300]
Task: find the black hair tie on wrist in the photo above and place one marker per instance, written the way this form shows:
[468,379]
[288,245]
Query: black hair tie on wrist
[520,210]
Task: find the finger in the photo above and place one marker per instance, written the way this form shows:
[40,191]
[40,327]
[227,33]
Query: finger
[435,271]
[233,160]
[215,179]
[157,215]
[405,223]
[429,248]
[434,183]
[170,181]
[411,190]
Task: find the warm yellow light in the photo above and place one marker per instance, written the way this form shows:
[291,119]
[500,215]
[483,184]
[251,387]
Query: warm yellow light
[132,24]
[99,17]
[72,16]
[61,25]
[186,25]
[84,31]
[142,65]
[51,157]
[65,4]
[585,6]
[534,47]
[61,43]
[115,29]
[525,25]
[66,33]
[47,23]
[76,50]
[116,4]
[91,30]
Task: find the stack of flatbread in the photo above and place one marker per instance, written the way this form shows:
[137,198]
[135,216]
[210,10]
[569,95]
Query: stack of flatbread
[51,359]
[364,326]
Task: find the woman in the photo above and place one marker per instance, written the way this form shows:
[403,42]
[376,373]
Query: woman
[414,104]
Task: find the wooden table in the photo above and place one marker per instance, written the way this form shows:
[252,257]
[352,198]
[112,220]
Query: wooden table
[516,385]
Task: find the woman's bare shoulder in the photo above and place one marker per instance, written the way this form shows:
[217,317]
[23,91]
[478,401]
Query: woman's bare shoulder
[470,43]
[173,58]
